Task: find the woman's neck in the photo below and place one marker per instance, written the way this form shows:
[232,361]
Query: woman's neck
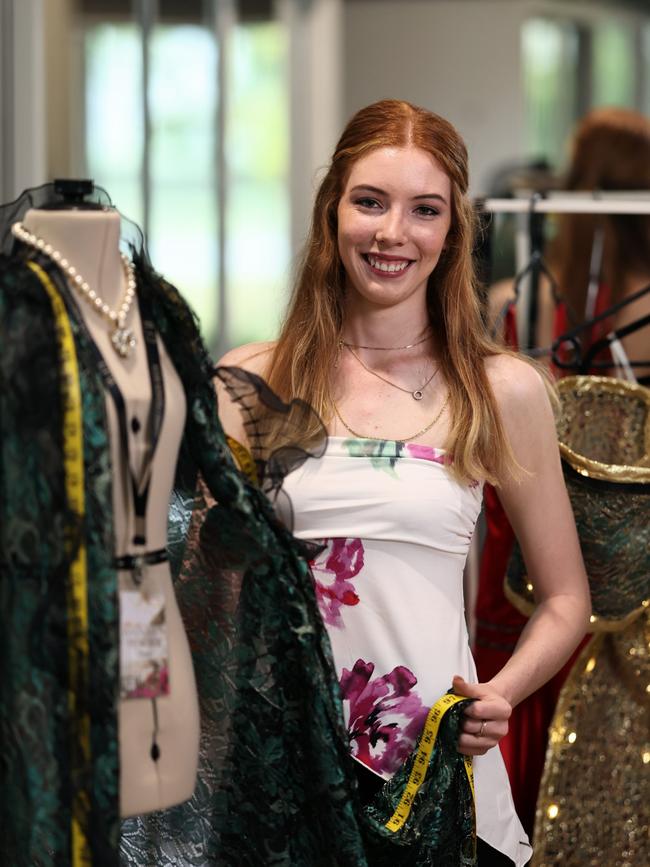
[384,327]
[89,240]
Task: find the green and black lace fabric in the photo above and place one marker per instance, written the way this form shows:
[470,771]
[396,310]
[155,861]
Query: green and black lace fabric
[276,784]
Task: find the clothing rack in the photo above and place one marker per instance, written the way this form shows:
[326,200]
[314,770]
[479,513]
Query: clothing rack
[558,202]
[528,232]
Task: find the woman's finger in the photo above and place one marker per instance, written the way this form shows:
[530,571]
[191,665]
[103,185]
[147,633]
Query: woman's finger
[470,745]
[488,709]
[474,727]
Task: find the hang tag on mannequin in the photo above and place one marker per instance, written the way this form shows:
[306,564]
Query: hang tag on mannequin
[144,656]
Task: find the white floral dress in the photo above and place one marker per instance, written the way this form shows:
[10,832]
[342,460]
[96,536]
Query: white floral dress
[397,528]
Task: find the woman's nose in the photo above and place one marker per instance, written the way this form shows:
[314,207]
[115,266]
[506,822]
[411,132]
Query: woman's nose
[391,230]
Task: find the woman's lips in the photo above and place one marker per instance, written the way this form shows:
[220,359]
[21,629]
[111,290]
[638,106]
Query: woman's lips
[384,266]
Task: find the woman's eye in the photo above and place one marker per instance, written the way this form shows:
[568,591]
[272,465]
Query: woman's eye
[366,202]
[427,211]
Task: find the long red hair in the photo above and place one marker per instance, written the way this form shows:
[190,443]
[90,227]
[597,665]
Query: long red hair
[611,151]
[306,350]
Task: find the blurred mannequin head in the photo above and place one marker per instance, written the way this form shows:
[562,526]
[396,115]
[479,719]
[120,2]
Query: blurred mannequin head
[610,152]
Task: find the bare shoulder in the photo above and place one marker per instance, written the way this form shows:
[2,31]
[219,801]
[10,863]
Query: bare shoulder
[513,379]
[522,394]
[253,357]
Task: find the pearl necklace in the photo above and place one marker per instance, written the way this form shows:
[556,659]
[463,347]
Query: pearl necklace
[122,338]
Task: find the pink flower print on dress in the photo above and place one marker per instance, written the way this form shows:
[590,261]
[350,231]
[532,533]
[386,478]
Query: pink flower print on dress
[428,453]
[341,560]
[437,456]
[386,715]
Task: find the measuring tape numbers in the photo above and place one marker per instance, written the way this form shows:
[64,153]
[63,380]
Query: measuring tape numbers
[421,763]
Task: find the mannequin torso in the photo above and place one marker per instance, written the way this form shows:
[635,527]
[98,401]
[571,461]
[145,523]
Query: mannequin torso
[89,240]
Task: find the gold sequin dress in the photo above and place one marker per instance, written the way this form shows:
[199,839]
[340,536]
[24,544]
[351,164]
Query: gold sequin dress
[593,806]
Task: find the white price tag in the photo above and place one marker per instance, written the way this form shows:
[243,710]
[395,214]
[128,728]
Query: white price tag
[144,658]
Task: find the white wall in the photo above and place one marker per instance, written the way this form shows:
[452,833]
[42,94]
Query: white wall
[314,29]
[23,130]
[459,58]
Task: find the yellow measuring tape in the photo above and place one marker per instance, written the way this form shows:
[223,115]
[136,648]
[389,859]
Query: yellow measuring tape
[77,595]
[421,763]
[244,459]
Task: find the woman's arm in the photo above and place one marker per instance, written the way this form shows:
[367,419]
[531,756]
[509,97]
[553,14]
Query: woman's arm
[539,511]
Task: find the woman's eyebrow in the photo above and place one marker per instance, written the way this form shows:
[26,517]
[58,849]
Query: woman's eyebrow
[432,196]
[369,188]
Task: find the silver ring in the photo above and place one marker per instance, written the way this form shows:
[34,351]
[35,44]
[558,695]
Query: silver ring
[481,731]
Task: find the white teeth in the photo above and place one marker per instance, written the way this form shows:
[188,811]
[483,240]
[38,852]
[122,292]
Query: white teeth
[387,266]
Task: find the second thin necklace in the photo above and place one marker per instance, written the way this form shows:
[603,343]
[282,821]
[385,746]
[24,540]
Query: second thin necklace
[418,394]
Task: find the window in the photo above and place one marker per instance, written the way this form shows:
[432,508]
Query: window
[257,148]
[614,67]
[174,161]
[114,128]
[550,87]
[645,67]
[183,221]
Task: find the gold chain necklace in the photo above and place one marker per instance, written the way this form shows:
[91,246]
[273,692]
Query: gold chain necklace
[386,348]
[418,394]
[397,439]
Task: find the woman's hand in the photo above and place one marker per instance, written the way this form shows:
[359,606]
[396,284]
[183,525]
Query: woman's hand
[485,720]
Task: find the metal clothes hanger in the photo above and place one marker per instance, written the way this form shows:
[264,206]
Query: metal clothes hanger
[584,359]
[535,267]
[590,360]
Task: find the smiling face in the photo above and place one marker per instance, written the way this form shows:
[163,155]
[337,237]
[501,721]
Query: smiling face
[393,219]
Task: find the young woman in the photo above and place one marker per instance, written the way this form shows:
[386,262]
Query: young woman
[384,339]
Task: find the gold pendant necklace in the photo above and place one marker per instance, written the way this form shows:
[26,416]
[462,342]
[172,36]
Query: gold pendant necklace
[397,439]
[418,394]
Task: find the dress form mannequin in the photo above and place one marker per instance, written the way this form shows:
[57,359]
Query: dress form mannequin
[89,240]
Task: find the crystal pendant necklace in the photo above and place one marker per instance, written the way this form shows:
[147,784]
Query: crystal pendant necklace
[122,338]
